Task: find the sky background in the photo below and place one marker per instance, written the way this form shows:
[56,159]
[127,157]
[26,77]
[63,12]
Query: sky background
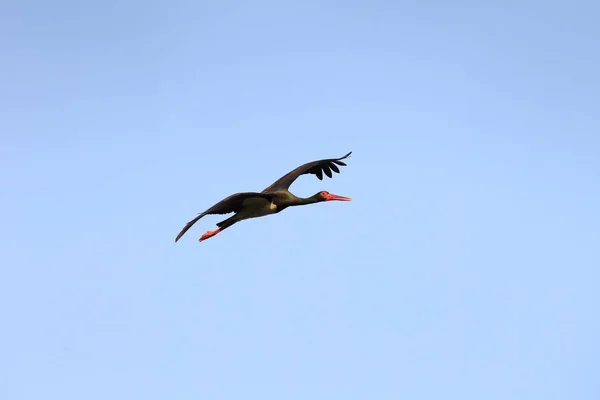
[467,266]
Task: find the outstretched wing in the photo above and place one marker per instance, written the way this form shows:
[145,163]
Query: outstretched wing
[314,167]
[233,203]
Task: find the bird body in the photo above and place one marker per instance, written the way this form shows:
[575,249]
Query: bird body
[272,200]
[254,207]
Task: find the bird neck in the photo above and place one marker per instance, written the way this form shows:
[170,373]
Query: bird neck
[301,201]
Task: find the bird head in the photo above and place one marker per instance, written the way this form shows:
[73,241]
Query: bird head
[326,196]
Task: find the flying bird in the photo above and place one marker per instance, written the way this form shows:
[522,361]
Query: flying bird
[272,200]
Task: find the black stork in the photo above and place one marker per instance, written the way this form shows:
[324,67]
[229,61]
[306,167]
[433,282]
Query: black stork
[272,200]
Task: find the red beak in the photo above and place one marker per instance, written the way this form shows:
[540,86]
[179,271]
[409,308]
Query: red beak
[330,197]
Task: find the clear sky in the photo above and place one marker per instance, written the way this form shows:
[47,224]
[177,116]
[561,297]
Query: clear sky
[467,266]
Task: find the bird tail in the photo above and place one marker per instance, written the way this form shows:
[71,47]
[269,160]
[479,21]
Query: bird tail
[188,226]
[228,222]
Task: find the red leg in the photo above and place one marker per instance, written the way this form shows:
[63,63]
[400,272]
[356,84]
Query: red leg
[209,234]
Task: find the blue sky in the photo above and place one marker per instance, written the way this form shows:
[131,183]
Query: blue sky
[466,267]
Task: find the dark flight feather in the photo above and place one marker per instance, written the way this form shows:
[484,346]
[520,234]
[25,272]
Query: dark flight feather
[315,167]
